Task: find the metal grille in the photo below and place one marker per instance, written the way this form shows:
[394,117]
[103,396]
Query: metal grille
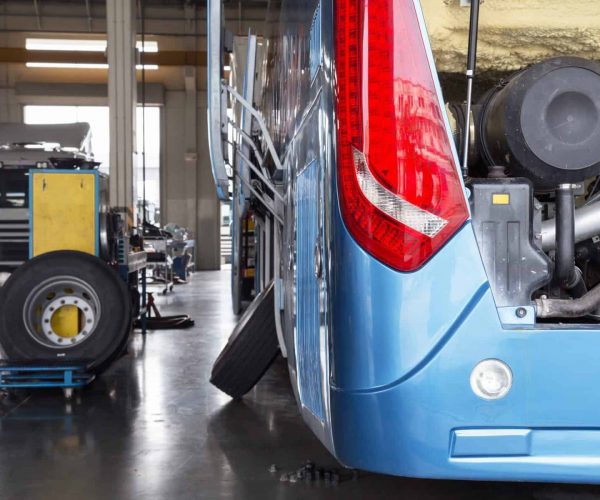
[14,239]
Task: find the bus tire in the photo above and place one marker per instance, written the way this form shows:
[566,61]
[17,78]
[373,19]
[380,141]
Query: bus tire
[251,348]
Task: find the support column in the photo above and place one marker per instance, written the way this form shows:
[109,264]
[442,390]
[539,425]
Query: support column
[10,109]
[209,207]
[200,188]
[122,99]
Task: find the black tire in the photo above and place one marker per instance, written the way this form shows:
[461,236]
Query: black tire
[106,339]
[251,349]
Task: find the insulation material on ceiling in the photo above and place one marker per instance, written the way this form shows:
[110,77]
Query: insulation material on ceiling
[513,33]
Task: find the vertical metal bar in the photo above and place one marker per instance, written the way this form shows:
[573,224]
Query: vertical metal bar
[142,63]
[215,97]
[88,9]
[36,7]
[471,66]
[279,289]
[268,262]
[246,118]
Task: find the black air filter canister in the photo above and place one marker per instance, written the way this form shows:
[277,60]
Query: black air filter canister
[544,123]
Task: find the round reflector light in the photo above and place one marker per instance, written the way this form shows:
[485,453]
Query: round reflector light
[491,379]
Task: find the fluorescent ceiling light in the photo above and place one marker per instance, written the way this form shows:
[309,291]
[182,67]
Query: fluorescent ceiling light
[68,45]
[65,44]
[149,46]
[147,67]
[66,65]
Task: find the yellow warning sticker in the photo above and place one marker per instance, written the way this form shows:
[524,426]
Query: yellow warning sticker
[501,199]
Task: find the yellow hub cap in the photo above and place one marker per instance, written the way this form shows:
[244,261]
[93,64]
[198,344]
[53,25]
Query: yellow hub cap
[66,321]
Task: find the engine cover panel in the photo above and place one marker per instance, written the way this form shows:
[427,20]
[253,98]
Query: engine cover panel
[503,219]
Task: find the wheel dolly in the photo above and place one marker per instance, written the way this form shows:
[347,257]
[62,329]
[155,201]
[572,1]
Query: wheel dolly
[45,374]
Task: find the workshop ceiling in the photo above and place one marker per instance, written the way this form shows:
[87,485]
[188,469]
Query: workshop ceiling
[163,17]
[37,4]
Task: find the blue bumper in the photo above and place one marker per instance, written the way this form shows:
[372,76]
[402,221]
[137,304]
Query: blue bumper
[403,347]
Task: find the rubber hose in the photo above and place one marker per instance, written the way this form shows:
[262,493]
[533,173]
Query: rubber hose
[559,308]
[564,271]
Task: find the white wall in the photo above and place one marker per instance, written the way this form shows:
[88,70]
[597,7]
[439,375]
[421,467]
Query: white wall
[188,191]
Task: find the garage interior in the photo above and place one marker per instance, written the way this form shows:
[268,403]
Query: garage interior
[151,425]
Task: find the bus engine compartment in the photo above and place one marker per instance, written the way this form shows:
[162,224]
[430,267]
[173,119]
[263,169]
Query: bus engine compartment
[534,148]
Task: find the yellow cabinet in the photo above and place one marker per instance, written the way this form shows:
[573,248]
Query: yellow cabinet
[64,211]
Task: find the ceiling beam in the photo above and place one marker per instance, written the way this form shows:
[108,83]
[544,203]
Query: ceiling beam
[159,21]
[15,55]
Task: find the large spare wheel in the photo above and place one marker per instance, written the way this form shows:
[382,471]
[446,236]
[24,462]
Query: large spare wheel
[65,306]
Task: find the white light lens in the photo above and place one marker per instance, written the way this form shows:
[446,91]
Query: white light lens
[393,205]
[491,379]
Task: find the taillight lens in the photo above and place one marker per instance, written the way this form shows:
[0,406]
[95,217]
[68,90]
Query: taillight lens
[399,188]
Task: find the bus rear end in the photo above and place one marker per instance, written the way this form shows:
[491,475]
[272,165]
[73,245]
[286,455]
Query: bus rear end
[459,347]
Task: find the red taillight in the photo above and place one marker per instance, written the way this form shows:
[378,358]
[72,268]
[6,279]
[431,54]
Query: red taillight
[399,188]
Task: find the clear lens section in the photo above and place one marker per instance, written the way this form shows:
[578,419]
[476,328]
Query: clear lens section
[491,379]
[397,208]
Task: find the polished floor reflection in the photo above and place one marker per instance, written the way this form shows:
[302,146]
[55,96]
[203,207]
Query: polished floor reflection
[154,428]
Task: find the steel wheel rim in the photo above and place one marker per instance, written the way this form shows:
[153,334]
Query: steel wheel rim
[47,298]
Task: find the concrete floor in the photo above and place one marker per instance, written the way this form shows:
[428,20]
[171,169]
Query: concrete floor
[153,428]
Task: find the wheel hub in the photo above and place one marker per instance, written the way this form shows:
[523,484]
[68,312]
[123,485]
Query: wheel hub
[61,312]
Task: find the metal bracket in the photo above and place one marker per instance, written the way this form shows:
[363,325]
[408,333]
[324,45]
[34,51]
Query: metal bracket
[215,98]
[259,119]
[243,143]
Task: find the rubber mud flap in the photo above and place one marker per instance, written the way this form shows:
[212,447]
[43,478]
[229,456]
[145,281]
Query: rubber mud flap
[251,349]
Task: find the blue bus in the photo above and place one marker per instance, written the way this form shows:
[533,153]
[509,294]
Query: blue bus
[439,320]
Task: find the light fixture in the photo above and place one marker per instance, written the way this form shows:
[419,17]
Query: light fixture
[63,44]
[491,379]
[147,67]
[66,65]
[72,45]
